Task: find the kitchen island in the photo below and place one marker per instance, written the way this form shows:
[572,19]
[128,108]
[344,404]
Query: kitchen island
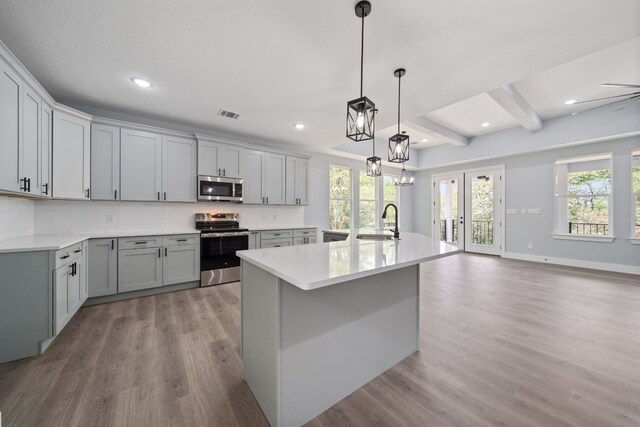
[320,321]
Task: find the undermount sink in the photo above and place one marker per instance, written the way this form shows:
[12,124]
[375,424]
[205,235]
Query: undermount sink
[374,236]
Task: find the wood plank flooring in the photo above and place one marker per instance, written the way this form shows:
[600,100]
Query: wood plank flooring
[504,343]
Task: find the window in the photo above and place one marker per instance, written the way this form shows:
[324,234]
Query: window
[635,188]
[339,198]
[583,196]
[390,195]
[367,206]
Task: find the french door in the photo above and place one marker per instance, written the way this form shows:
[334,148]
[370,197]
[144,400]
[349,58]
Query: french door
[468,209]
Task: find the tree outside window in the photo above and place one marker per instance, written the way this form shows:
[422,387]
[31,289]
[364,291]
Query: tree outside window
[390,195]
[367,205]
[339,198]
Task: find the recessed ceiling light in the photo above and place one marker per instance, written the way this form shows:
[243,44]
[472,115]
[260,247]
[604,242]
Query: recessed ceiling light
[485,124]
[425,140]
[141,82]
[570,102]
[299,126]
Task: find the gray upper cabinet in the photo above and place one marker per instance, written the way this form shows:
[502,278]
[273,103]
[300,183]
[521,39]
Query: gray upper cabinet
[71,156]
[105,162]
[140,165]
[254,165]
[297,187]
[102,264]
[274,178]
[29,156]
[219,159]
[46,145]
[10,133]
[179,169]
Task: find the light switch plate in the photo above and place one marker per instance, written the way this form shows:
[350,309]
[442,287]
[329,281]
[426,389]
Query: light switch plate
[535,211]
[512,211]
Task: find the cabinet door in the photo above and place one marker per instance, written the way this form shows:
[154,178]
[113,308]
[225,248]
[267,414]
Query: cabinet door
[10,134]
[61,300]
[179,169]
[253,179]
[231,160]
[139,269]
[181,264]
[140,165]
[46,140]
[274,178]
[254,240]
[105,162]
[102,267]
[71,156]
[30,146]
[276,243]
[208,157]
[302,181]
[290,184]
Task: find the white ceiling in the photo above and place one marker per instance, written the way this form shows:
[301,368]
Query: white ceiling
[277,63]
[416,136]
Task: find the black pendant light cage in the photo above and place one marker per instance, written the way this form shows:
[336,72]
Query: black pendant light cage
[404,179]
[360,111]
[374,163]
[399,143]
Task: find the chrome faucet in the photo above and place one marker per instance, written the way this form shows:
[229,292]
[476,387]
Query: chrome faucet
[396,233]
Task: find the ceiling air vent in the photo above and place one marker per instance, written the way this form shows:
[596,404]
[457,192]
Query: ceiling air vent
[229,114]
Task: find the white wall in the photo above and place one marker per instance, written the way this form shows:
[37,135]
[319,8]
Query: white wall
[16,217]
[529,184]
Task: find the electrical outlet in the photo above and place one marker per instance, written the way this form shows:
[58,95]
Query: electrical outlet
[111,219]
[530,245]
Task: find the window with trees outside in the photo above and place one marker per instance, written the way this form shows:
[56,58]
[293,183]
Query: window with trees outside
[390,195]
[583,195]
[367,207]
[339,198]
[635,177]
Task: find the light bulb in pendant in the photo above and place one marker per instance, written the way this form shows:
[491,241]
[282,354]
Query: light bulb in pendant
[360,120]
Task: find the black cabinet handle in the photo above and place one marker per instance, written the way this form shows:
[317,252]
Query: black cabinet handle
[267,199]
[46,189]
[111,244]
[224,172]
[165,251]
[76,251]
[159,253]
[158,195]
[181,240]
[23,185]
[165,195]
[141,243]
[65,256]
[115,195]
[29,185]
[87,193]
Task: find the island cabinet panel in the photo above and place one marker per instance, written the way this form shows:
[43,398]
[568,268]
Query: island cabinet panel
[71,156]
[10,133]
[139,269]
[140,165]
[179,169]
[103,267]
[105,162]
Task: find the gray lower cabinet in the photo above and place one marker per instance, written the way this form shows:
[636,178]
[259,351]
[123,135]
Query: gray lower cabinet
[69,285]
[181,264]
[278,238]
[254,240]
[102,267]
[139,269]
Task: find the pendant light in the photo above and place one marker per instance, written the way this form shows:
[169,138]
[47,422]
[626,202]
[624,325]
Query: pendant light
[405,179]
[360,114]
[399,143]
[374,163]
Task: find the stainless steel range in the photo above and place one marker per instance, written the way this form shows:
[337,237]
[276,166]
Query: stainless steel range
[220,238]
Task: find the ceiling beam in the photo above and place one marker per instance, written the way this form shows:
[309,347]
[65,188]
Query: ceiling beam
[514,103]
[429,125]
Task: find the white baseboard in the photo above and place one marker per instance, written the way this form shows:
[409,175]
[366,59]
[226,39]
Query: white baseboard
[618,268]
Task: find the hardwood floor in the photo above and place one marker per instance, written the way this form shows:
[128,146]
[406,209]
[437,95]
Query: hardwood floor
[504,342]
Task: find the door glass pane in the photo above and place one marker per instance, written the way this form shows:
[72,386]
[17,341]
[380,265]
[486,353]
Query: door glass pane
[449,210]
[482,209]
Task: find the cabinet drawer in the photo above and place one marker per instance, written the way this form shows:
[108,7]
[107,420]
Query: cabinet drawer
[181,240]
[275,243]
[140,242]
[68,254]
[304,232]
[304,240]
[275,234]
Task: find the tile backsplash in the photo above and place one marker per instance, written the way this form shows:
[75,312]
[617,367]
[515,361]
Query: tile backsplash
[16,217]
[63,216]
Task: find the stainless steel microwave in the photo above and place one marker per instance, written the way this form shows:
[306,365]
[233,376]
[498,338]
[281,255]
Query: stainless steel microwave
[219,189]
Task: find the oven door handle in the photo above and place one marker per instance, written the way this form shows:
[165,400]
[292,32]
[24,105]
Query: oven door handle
[235,234]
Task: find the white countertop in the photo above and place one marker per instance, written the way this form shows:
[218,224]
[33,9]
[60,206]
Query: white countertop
[314,266]
[53,242]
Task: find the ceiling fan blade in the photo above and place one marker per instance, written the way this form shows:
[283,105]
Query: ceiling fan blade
[605,98]
[619,85]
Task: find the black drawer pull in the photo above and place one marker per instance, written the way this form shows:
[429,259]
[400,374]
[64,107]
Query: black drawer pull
[65,256]
[141,243]
[181,240]
[76,251]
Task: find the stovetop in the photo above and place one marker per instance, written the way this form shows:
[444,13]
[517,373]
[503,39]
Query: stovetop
[218,222]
